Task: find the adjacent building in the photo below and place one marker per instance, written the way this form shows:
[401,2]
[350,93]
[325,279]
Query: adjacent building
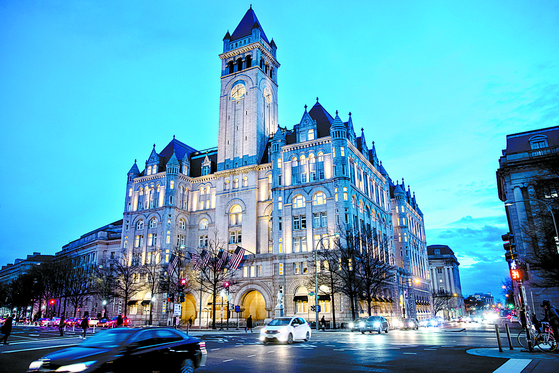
[445,279]
[528,185]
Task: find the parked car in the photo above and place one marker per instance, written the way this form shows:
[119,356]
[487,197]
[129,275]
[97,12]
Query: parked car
[128,350]
[286,329]
[373,324]
[53,321]
[43,321]
[112,322]
[101,323]
[92,322]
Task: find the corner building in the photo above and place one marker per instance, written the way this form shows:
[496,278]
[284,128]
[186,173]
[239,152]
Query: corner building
[277,192]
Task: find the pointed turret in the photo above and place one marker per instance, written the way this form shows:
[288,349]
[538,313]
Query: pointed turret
[338,129]
[206,166]
[173,164]
[373,156]
[245,28]
[186,165]
[306,129]
[134,171]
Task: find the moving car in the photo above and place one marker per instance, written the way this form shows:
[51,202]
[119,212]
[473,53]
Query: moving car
[128,350]
[354,325]
[406,324]
[286,329]
[54,321]
[373,324]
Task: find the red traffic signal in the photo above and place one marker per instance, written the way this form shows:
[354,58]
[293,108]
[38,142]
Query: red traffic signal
[183,282]
[52,301]
[226,284]
[516,274]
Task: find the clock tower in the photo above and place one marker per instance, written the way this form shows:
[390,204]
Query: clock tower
[248,108]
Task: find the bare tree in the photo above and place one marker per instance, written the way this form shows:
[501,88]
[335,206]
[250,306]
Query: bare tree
[126,282]
[441,300]
[214,274]
[152,270]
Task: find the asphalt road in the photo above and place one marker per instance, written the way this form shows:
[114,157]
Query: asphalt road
[425,350]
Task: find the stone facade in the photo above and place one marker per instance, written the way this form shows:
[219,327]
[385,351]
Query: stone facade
[530,191]
[445,278]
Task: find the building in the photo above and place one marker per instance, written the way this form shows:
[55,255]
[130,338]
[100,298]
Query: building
[11,272]
[93,250]
[528,184]
[445,279]
[277,192]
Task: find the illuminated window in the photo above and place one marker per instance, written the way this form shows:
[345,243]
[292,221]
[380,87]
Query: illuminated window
[140,224]
[226,185]
[298,201]
[153,223]
[182,223]
[320,157]
[203,224]
[172,184]
[203,241]
[281,247]
[130,192]
[280,205]
[236,183]
[345,193]
[311,134]
[279,163]
[294,162]
[245,181]
[319,199]
[342,151]
[235,215]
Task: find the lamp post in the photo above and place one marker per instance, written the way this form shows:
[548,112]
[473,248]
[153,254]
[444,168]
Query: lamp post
[316,276]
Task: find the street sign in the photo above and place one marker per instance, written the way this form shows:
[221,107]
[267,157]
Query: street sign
[237,308]
[178,310]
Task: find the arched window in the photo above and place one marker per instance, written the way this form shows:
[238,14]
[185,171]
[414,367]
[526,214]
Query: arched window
[140,224]
[141,191]
[153,223]
[182,223]
[239,64]
[303,160]
[245,181]
[236,183]
[226,186]
[202,191]
[294,162]
[235,215]
[203,224]
[311,158]
[311,135]
[230,67]
[319,198]
[320,157]
[298,201]
[248,61]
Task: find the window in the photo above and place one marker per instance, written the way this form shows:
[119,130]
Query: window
[538,142]
[235,237]
[203,241]
[319,199]
[345,193]
[320,157]
[152,239]
[298,201]
[140,224]
[281,269]
[280,247]
[235,215]
[153,223]
[279,163]
[236,183]
[280,205]
[203,224]
[299,222]
[296,268]
[280,223]
[226,186]
[182,223]
[172,184]
[245,181]
[138,241]
[342,151]
[311,135]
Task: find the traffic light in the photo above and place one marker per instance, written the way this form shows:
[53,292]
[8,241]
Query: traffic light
[182,282]
[52,301]
[181,298]
[516,274]
[509,246]
[226,285]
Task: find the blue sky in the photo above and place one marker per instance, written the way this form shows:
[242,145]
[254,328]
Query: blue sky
[89,86]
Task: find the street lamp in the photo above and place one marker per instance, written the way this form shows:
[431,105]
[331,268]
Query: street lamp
[316,275]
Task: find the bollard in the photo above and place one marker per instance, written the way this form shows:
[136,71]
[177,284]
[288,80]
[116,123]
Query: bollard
[498,338]
[508,336]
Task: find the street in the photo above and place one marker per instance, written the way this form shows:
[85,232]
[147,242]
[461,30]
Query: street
[425,350]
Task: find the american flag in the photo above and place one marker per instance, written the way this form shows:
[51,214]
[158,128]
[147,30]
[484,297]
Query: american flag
[172,263]
[221,260]
[202,260]
[236,258]
[194,259]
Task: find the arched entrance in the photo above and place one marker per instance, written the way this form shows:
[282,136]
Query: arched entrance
[254,305]
[188,308]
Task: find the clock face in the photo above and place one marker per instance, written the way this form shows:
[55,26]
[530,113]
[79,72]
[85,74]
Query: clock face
[238,92]
[268,95]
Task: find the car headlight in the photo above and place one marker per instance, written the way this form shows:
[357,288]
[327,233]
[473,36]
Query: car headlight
[376,324]
[282,330]
[351,325]
[36,365]
[410,324]
[79,367]
[361,324]
[263,331]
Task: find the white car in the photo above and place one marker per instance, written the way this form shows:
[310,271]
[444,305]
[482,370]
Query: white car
[286,329]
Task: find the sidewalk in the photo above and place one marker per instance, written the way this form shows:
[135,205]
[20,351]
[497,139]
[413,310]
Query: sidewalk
[537,361]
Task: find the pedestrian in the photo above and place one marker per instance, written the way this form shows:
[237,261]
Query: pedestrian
[119,321]
[323,323]
[190,321]
[84,325]
[7,328]
[249,324]
[61,325]
[552,317]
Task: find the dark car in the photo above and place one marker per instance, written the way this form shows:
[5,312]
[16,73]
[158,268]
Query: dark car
[354,325]
[128,350]
[373,324]
[409,324]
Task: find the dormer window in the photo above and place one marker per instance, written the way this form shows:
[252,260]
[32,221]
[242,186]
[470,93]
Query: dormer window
[205,170]
[538,142]
[311,135]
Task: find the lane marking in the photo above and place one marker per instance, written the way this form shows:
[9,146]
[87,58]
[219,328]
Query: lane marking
[410,353]
[513,366]
[228,360]
[251,355]
[37,348]
[270,352]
